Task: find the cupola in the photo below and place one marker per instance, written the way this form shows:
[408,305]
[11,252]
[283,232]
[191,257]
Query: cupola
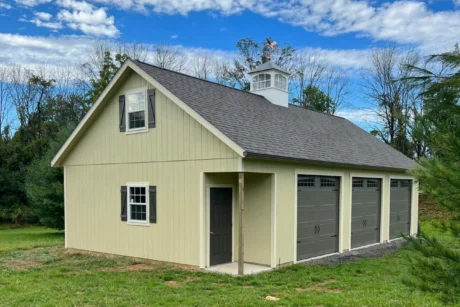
[271,81]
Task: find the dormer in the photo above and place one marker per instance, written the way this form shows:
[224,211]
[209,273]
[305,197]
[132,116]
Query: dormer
[271,81]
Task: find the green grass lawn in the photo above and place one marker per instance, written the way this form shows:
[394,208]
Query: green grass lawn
[53,276]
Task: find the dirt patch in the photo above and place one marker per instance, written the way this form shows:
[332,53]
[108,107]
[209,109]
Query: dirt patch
[22,264]
[131,268]
[320,287]
[271,298]
[248,287]
[173,283]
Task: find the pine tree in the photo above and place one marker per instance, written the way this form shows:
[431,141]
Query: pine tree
[436,268]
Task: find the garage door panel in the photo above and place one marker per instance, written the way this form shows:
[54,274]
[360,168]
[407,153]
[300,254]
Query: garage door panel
[317,216]
[366,198]
[316,247]
[400,203]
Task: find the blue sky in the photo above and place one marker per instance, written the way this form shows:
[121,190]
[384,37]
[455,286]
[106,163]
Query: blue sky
[62,32]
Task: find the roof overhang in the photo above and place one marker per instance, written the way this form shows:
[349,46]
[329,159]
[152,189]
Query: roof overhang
[79,130]
[330,163]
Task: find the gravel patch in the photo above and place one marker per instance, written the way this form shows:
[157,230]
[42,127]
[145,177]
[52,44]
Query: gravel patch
[375,251]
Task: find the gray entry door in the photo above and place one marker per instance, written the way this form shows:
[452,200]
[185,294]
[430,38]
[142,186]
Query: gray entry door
[317,216]
[365,211]
[400,203]
[220,225]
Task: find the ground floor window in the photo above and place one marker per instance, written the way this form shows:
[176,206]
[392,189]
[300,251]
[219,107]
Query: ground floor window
[137,204]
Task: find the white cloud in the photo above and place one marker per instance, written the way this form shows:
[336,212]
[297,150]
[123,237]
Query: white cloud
[174,36]
[43,16]
[5,6]
[31,3]
[43,19]
[404,21]
[83,16]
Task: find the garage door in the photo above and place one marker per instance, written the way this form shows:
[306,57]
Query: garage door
[317,216]
[365,211]
[400,201]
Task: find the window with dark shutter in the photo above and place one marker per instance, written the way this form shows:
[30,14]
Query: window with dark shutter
[124,203]
[151,108]
[121,108]
[153,204]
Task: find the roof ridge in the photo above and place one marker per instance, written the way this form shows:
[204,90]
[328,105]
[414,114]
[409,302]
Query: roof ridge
[190,76]
[333,115]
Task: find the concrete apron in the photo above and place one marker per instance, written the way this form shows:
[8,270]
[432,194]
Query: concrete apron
[232,268]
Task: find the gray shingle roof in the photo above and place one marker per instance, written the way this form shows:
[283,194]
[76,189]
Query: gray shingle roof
[263,129]
[267,66]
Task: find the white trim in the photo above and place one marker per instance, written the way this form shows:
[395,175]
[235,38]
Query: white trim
[208,218]
[65,208]
[413,205]
[317,257]
[382,205]
[146,116]
[315,172]
[273,222]
[366,246]
[147,204]
[202,220]
[188,110]
[129,64]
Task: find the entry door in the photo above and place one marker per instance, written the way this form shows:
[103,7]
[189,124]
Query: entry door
[365,211]
[220,225]
[317,216]
[400,203]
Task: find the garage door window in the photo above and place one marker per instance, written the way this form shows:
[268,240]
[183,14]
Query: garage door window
[325,182]
[394,183]
[358,183]
[306,182]
[405,183]
[371,183]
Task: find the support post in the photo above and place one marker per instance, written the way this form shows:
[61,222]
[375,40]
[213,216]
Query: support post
[241,224]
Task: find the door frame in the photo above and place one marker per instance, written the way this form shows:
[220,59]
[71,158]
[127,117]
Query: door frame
[383,187]
[315,172]
[208,218]
[413,214]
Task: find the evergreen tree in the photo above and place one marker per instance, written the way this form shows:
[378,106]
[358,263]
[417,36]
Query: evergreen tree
[437,267]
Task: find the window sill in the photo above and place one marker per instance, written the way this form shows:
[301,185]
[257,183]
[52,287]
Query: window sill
[145,224]
[137,131]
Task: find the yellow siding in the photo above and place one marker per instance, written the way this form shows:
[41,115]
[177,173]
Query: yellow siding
[285,201]
[257,214]
[177,136]
[257,218]
[171,156]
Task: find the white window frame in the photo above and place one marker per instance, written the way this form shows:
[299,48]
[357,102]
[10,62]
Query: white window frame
[254,82]
[146,125]
[147,203]
[281,76]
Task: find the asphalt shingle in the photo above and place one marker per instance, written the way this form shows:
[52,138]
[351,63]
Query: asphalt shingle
[263,129]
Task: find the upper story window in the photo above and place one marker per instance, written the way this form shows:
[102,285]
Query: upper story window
[136,110]
[261,81]
[281,82]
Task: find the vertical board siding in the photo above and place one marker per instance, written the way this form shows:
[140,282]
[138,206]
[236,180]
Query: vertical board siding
[285,198]
[170,156]
[176,137]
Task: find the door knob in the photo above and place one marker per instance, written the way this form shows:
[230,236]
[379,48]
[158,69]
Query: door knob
[211,232]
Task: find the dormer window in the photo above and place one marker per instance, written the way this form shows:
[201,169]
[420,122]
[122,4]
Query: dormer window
[261,81]
[281,82]
[136,106]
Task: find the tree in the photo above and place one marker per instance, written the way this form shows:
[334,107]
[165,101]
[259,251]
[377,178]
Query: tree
[251,54]
[437,266]
[45,185]
[392,96]
[315,99]
[169,57]
[310,70]
[202,66]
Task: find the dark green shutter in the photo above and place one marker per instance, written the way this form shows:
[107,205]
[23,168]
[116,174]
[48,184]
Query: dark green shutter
[151,109]
[122,117]
[124,203]
[153,204]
